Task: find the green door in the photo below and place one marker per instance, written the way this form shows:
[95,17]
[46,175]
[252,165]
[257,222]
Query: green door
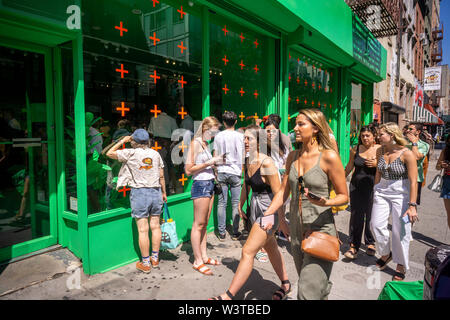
[27,150]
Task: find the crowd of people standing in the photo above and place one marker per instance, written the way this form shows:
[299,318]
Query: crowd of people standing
[288,191]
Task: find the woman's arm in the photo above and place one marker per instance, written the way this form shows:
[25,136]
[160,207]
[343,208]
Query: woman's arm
[112,152]
[378,173]
[190,167]
[351,161]
[284,190]
[411,164]
[440,165]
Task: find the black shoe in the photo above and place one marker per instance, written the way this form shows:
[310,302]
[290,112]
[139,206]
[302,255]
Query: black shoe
[236,236]
[221,236]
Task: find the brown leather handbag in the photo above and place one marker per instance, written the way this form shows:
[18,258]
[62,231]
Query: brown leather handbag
[315,243]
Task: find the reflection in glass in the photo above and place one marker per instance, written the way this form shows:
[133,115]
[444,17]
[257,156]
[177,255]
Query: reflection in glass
[142,70]
[24,192]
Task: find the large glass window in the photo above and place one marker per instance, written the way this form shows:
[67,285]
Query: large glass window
[240,79]
[309,86]
[142,63]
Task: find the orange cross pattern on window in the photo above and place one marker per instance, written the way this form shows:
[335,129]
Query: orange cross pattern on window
[121,28]
[318,104]
[256,43]
[298,80]
[182,113]
[225,89]
[306,63]
[155,111]
[123,109]
[289,78]
[154,38]
[225,60]
[154,76]
[181,46]
[256,94]
[182,82]
[305,101]
[182,13]
[289,117]
[242,37]
[242,64]
[306,83]
[123,146]
[156,147]
[121,70]
[242,116]
[313,85]
[320,86]
[312,103]
[155,1]
[124,190]
[289,99]
[255,116]
[256,68]
[182,147]
[182,180]
[225,31]
[297,100]
[241,92]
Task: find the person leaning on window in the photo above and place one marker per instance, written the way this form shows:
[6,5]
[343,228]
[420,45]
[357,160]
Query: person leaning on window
[363,158]
[317,167]
[443,163]
[395,193]
[199,164]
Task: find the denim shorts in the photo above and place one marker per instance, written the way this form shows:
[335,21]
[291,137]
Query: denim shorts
[202,189]
[145,202]
[446,188]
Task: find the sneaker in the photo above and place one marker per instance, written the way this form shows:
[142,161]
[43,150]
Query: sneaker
[236,236]
[155,263]
[142,267]
[221,236]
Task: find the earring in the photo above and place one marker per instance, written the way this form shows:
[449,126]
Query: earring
[314,139]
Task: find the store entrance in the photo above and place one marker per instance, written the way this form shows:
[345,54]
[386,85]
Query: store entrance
[27,151]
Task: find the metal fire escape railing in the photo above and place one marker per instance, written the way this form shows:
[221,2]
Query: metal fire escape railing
[380,16]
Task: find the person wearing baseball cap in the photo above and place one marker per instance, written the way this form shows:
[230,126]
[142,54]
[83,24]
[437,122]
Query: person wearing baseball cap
[142,170]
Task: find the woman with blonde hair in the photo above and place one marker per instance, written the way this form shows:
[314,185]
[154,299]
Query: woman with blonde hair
[313,169]
[200,164]
[395,192]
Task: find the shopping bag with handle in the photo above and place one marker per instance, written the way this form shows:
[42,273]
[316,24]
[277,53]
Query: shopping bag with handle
[169,238]
[436,184]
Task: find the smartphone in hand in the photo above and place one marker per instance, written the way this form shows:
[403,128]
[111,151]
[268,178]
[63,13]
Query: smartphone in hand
[406,219]
[265,220]
[313,196]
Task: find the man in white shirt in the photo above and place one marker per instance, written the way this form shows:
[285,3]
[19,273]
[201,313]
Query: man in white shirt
[230,143]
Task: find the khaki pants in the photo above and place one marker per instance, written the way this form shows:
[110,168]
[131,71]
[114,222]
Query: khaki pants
[313,274]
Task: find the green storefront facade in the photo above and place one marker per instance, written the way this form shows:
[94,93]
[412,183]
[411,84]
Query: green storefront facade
[72,70]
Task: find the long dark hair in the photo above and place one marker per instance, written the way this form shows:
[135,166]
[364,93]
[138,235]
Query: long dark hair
[368,128]
[281,147]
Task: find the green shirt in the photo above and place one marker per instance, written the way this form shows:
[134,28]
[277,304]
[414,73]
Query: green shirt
[423,149]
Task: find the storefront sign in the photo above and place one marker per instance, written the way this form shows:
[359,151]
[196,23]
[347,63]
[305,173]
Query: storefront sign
[432,79]
[366,48]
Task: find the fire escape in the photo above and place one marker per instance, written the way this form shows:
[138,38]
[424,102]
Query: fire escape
[436,53]
[381,17]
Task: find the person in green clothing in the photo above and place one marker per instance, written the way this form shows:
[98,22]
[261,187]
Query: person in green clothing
[420,150]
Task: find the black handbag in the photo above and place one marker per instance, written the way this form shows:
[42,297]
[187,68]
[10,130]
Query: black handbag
[247,222]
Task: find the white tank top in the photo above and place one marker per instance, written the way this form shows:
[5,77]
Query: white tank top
[202,157]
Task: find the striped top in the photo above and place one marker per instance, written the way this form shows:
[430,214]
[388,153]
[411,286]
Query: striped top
[396,170]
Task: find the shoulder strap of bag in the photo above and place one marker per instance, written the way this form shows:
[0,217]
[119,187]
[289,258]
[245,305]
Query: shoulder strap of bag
[166,213]
[129,169]
[300,197]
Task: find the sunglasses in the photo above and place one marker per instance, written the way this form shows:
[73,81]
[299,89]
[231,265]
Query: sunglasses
[302,184]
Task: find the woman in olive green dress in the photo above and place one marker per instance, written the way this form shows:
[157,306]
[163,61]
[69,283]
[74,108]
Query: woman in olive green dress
[318,168]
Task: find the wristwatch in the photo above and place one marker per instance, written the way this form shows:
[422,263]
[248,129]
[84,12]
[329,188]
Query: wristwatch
[412,204]
[414,144]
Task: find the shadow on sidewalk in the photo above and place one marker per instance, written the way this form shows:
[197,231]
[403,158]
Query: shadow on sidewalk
[419,237]
[256,286]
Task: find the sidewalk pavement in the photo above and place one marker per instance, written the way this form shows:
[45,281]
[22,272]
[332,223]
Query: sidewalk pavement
[54,275]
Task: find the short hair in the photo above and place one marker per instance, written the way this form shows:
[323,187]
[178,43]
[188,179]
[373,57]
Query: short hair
[229,117]
[274,118]
[417,125]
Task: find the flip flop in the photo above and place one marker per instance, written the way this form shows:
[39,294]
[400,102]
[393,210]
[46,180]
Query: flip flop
[262,256]
[212,262]
[203,270]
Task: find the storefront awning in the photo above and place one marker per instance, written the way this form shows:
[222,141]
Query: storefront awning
[392,107]
[423,115]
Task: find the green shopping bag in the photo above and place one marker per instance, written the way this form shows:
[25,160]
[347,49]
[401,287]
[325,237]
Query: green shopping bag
[397,290]
[169,238]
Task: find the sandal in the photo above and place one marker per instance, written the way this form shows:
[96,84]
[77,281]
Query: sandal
[352,253]
[262,256]
[203,270]
[370,250]
[381,264]
[281,293]
[398,276]
[228,293]
[212,262]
